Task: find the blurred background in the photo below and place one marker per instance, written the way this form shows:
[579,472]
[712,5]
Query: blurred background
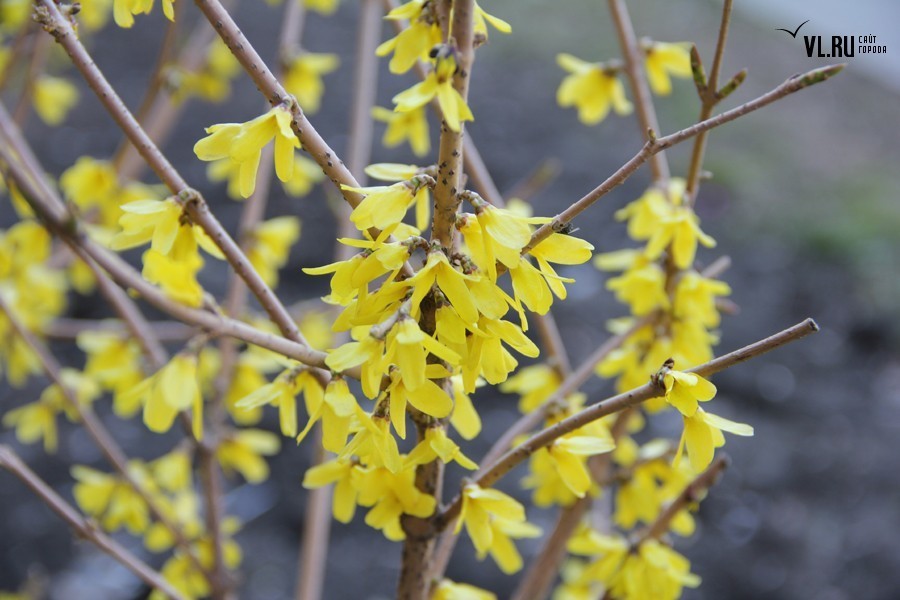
[804,200]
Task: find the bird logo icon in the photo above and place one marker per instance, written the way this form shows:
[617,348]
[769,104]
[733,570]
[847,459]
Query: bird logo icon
[793,33]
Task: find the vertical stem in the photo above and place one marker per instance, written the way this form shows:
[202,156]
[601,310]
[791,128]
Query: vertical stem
[450,154]
[634,69]
[316,528]
[40,47]
[709,98]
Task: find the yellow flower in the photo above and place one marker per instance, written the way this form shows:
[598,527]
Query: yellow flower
[397,172]
[438,84]
[664,59]
[14,14]
[416,41]
[162,223]
[281,393]
[429,397]
[410,126]
[177,278]
[449,590]
[684,390]
[385,206]
[33,422]
[491,519]
[324,7]
[373,443]
[592,88]
[109,499]
[482,18]
[703,434]
[451,282]
[172,389]
[54,97]
[407,348]
[306,174]
[337,408]
[124,10]
[94,14]
[270,244]
[243,451]
[391,495]
[341,474]
[570,455]
[93,184]
[642,287]
[437,445]
[695,298]
[464,418]
[243,143]
[534,384]
[303,78]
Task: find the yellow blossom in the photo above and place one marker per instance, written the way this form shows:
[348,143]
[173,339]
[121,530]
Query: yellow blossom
[243,143]
[172,389]
[703,434]
[270,244]
[324,7]
[437,445]
[306,174]
[341,474]
[449,590]
[437,84]
[54,97]
[429,397]
[592,88]
[492,518]
[451,282]
[384,206]
[336,408]
[684,390]
[111,500]
[281,393]
[570,455]
[124,10]
[303,78]
[410,126]
[534,384]
[415,41]
[391,495]
[666,59]
[243,451]
[695,298]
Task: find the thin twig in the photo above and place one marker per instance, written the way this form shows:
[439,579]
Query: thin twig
[541,176]
[310,139]
[793,84]
[39,50]
[634,69]
[197,209]
[68,329]
[692,493]
[55,216]
[709,98]
[513,457]
[316,527]
[98,432]
[532,420]
[82,526]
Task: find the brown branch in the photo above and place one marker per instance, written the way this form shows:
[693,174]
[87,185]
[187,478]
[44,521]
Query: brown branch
[40,48]
[709,98]
[446,200]
[540,574]
[19,45]
[491,474]
[69,329]
[327,159]
[55,23]
[57,219]
[313,556]
[793,84]
[98,432]
[82,526]
[529,422]
[634,70]
[541,176]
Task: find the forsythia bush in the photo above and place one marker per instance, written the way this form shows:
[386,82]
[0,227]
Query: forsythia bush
[436,293]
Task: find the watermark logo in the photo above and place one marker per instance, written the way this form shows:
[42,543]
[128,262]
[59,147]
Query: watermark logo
[837,46]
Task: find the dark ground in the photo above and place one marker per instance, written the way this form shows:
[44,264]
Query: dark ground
[805,202]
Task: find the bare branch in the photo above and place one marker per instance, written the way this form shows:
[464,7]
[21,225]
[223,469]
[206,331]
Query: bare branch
[84,528]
